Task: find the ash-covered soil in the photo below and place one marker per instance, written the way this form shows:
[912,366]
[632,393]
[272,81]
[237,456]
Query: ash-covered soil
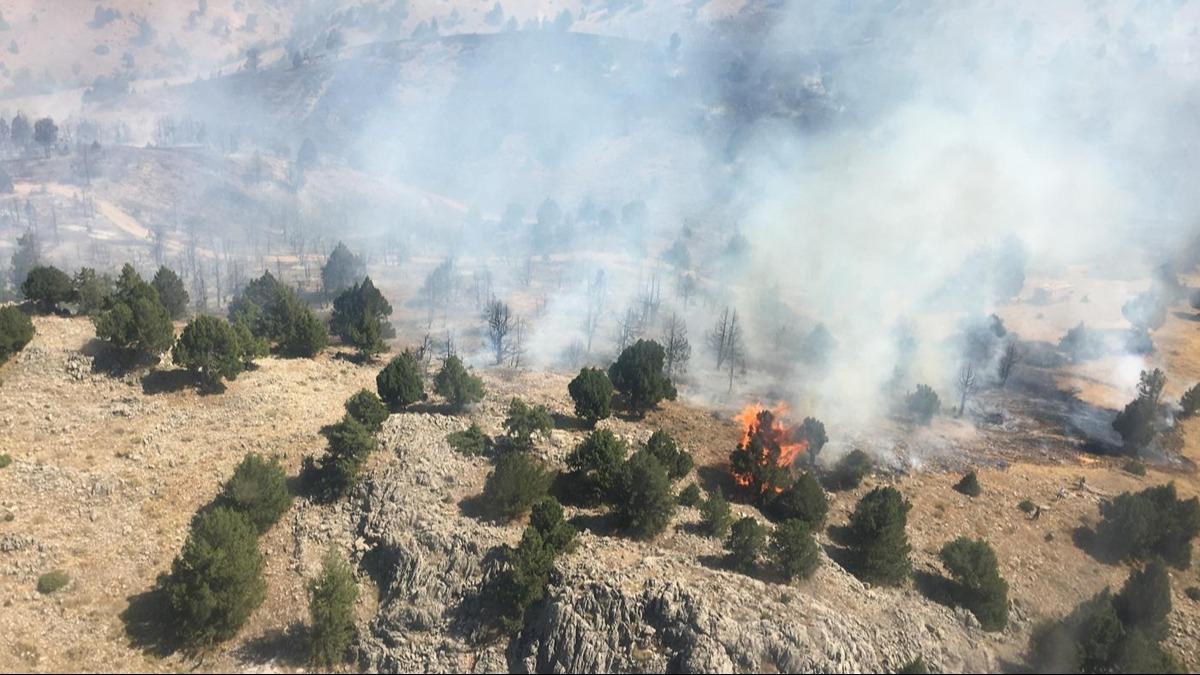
[107,473]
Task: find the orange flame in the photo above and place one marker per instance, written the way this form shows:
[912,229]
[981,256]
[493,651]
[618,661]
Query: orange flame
[777,435]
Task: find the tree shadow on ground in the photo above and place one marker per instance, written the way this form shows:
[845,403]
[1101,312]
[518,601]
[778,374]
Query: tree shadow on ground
[1085,539]
[845,558]
[712,477]
[431,408]
[935,587]
[175,380]
[476,508]
[599,524]
[286,647]
[108,360]
[570,422]
[356,358]
[147,623]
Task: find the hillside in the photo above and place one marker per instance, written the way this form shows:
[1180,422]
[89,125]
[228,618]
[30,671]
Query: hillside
[107,471]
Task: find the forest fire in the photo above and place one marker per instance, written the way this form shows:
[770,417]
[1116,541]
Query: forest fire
[767,450]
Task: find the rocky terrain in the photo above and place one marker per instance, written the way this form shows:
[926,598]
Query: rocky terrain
[107,472]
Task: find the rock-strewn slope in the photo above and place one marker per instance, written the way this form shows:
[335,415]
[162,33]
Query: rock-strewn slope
[616,604]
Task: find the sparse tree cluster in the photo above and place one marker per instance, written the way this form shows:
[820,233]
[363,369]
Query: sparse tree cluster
[273,311]
[516,483]
[457,385]
[1109,633]
[525,570]
[48,287]
[368,409]
[217,581]
[360,318]
[1153,522]
[343,269]
[923,404]
[134,320]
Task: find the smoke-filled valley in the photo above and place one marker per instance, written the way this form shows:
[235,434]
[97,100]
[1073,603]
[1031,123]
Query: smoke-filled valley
[599,336]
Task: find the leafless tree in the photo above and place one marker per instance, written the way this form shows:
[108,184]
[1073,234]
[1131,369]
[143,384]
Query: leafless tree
[735,349]
[650,301]
[629,328]
[516,346]
[595,307]
[724,335]
[199,290]
[685,288]
[676,346]
[499,324]
[966,385]
[481,284]
[1013,355]
[438,288]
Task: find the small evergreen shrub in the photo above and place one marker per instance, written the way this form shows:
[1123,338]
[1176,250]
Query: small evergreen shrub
[471,441]
[368,409]
[52,581]
[331,598]
[592,392]
[969,485]
[745,545]
[515,485]
[400,383]
[794,550]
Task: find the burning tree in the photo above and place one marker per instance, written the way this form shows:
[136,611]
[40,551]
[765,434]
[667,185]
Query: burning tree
[763,459]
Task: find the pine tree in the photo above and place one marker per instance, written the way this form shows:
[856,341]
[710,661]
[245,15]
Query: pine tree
[217,580]
[877,535]
[331,598]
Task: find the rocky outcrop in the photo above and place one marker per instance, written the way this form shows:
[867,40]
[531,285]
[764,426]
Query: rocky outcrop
[589,626]
[616,605]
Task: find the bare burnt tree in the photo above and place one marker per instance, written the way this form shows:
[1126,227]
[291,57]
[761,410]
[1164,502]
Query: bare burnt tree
[438,289]
[735,349]
[595,307]
[1013,355]
[967,383]
[199,290]
[723,336]
[481,286]
[629,328]
[650,300]
[676,346]
[516,346]
[499,324]
[448,347]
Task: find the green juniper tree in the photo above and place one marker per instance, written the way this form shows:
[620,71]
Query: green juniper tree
[331,598]
[878,537]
